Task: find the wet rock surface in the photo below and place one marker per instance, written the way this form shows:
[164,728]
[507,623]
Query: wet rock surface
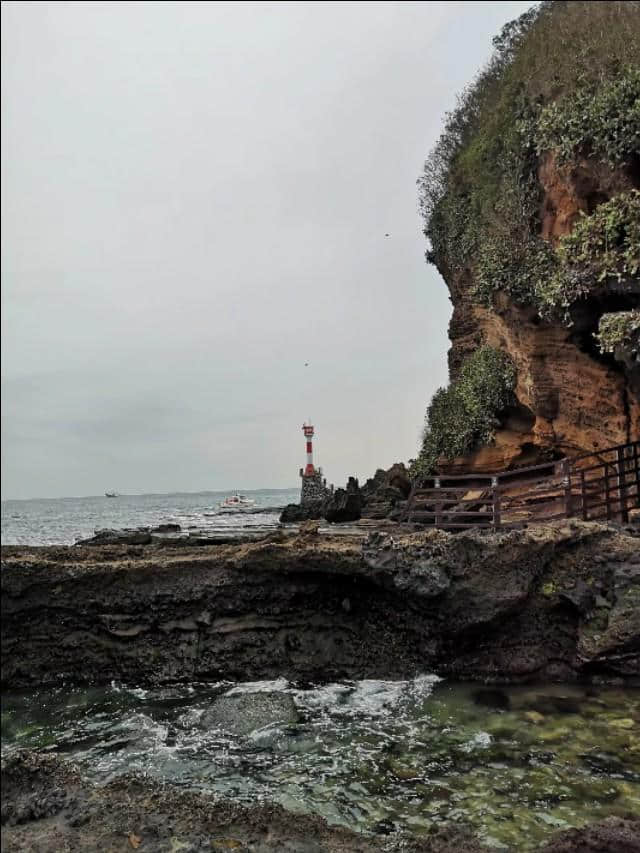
[473,605]
[245,713]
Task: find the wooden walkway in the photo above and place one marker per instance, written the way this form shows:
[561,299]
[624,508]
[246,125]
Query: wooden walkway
[600,485]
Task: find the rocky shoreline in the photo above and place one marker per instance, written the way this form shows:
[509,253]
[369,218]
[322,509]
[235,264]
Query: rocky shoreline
[555,603]
[47,805]
[558,603]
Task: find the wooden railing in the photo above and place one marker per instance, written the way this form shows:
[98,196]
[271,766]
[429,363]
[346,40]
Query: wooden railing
[600,485]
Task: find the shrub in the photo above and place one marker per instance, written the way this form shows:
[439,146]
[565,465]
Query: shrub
[463,416]
[598,119]
[602,247]
[620,331]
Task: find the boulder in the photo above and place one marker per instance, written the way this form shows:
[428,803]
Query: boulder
[344,504]
[167,527]
[245,712]
[295,513]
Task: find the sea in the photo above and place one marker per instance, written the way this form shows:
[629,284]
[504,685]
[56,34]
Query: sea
[63,521]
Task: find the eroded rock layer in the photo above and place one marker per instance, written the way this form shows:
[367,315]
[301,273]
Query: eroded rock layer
[553,602]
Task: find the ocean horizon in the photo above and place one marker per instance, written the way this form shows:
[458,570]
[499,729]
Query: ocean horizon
[65,520]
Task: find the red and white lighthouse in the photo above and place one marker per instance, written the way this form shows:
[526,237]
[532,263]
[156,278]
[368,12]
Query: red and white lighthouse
[309,470]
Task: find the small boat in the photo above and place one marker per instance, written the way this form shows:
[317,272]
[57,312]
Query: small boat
[237,502]
[111,494]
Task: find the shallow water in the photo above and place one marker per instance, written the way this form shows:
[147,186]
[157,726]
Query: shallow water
[375,756]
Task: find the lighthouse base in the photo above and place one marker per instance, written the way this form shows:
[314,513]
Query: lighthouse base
[313,489]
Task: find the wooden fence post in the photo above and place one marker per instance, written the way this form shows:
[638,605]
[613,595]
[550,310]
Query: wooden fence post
[622,486]
[495,489]
[566,482]
[607,494]
[438,521]
[583,496]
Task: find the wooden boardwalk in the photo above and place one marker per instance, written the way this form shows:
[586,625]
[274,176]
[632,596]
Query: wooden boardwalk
[600,485]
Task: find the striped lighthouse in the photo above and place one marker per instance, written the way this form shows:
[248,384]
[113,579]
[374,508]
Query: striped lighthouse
[309,470]
[314,488]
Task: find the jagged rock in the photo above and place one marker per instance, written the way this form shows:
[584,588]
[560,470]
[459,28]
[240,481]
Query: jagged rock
[294,513]
[386,491]
[581,597]
[412,564]
[344,504]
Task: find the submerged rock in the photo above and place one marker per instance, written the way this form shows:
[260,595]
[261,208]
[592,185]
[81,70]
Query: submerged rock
[492,699]
[246,712]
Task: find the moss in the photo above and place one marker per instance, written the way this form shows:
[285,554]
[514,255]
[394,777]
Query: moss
[464,415]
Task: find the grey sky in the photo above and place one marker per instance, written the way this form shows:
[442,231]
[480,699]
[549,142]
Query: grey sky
[195,200]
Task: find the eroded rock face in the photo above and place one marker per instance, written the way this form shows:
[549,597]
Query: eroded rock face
[554,602]
[570,398]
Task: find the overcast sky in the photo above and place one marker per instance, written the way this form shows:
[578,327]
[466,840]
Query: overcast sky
[195,200]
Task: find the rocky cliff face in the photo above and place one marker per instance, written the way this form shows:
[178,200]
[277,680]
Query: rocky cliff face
[532,210]
[570,397]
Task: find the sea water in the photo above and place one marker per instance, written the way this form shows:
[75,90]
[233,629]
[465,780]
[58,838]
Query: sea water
[62,521]
[375,756]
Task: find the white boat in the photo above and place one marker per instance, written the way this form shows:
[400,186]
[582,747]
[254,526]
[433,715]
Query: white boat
[111,494]
[237,502]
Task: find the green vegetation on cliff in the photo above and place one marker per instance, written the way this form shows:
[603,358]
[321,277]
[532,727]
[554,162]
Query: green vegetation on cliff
[559,98]
[620,332]
[601,247]
[564,82]
[463,416]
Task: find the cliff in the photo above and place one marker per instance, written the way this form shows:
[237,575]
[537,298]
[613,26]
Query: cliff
[531,205]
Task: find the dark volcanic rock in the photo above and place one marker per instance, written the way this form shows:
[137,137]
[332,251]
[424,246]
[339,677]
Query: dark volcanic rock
[613,835]
[294,513]
[471,605]
[126,536]
[344,504]
[168,527]
[385,492]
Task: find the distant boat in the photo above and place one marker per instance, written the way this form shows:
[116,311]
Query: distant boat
[111,494]
[237,502]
